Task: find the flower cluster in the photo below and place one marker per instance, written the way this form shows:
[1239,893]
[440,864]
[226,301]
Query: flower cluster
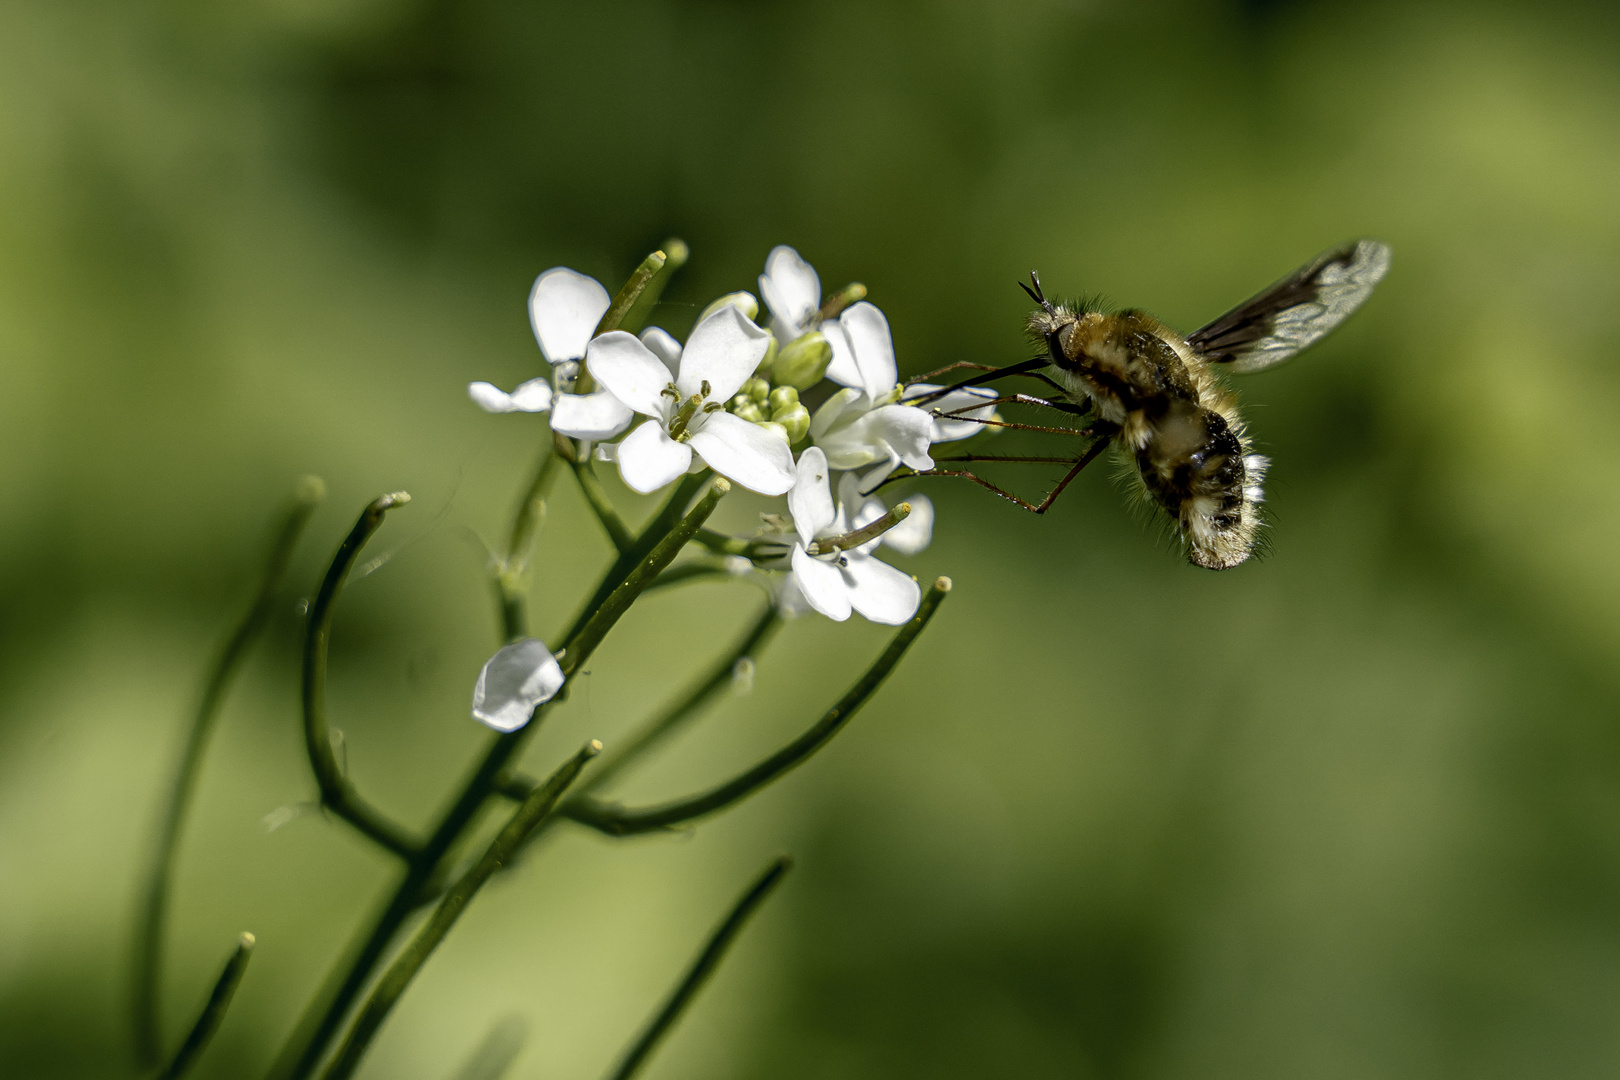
[733,398]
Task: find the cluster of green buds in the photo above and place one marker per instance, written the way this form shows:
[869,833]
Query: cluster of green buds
[778,408]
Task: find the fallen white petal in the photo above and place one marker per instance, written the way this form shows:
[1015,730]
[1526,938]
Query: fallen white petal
[810,502]
[917,531]
[513,682]
[822,585]
[629,371]
[663,345]
[879,591]
[564,308]
[650,459]
[869,337]
[590,416]
[753,456]
[723,351]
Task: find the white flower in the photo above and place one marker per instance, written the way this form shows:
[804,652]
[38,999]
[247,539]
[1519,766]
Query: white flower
[912,535]
[837,582]
[864,424]
[565,307]
[688,411]
[513,682]
[792,292]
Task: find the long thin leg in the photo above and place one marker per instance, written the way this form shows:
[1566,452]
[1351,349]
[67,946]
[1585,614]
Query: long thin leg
[1022,368]
[1085,459]
[925,376]
[1014,399]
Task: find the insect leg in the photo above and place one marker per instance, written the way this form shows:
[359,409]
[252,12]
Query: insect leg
[1045,504]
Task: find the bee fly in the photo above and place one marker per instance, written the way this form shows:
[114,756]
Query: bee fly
[1158,398]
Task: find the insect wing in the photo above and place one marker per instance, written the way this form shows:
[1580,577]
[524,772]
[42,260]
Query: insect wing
[1272,326]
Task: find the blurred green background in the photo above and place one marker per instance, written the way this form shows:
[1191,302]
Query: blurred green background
[1349,811]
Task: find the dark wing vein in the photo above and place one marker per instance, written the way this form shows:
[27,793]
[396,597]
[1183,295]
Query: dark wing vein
[1272,326]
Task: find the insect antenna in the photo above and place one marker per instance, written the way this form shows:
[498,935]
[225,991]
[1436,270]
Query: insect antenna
[1021,368]
[1037,294]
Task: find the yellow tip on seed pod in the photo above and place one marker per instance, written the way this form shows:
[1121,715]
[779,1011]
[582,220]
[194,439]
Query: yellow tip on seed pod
[310,490]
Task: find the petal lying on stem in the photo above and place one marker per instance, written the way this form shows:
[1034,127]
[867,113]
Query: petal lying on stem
[513,682]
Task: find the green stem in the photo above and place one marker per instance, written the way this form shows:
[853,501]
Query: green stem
[663,539]
[512,569]
[149,934]
[611,522]
[619,308]
[337,794]
[689,704]
[690,572]
[657,528]
[714,950]
[619,821]
[721,544]
[202,1032]
[675,255]
[391,987]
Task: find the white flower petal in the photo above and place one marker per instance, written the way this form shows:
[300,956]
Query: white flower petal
[842,369]
[822,584]
[905,428]
[723,351]
[869,337]
[629,371]
[753,456]
[790,286]
[663,345]
[790,599]
[490,398]
[532,396]
[650,459]
[917,531]
[564,308]
[832,411]
[810,502]
[879,591]
[590,416]
[513,682]
[871,479]
[951,428]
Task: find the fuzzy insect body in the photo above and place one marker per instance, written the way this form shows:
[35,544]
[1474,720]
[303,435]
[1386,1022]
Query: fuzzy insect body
[1161,401]
[1178,426]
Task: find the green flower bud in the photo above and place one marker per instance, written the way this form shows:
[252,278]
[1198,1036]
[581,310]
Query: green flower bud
[747,409]
[803,362]
[757,390]
[772,347]
[795,420]
[742,301]
[779,429]
[783,397]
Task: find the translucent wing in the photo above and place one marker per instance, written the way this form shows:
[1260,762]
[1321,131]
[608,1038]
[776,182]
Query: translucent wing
[1272,326]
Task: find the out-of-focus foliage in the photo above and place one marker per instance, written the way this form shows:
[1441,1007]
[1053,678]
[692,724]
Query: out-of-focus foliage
[1353,810]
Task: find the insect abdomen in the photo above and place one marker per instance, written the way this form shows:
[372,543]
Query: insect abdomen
[1196,467]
